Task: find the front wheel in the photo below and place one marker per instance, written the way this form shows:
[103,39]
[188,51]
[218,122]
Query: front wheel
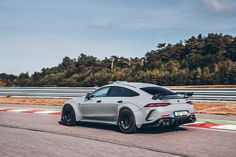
[68,116]
[126,121]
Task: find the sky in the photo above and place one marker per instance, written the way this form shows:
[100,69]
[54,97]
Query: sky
[36,34]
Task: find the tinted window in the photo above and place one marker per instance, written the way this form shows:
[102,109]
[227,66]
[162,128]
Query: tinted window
[157,90]
[100,92]
[121,92]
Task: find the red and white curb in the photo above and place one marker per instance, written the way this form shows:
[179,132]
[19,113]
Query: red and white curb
[54,112]
[31,111]
[212,126]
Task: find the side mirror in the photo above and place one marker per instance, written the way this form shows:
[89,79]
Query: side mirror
[88,96]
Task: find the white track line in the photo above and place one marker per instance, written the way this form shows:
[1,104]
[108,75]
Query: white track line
[209,129]
[46,112]
[194,123]
[225,127]
[17,110]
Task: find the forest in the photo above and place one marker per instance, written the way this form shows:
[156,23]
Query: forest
[200,60]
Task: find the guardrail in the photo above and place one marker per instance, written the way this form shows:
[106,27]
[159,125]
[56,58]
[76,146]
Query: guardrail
[200,94]
[210,94]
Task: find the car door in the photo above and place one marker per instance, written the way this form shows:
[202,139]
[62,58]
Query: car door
[117,96]
[98,107]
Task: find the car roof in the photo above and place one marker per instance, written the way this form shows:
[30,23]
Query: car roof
[133,84]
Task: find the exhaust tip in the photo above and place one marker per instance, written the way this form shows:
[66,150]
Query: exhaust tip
[165,123]
[193,119]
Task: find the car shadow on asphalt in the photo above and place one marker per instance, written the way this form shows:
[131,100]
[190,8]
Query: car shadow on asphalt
[98,126]
[159,130]
[147,130]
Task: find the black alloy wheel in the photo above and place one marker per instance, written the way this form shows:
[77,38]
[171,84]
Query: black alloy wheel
[68,116]
[126,121]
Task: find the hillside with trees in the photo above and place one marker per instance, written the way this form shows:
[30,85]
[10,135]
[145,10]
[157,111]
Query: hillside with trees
[196,61]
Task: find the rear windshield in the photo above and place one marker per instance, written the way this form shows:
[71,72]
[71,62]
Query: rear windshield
[157,90]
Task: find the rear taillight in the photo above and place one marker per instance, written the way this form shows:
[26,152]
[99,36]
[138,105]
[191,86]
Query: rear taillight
[189,102]
[157,105]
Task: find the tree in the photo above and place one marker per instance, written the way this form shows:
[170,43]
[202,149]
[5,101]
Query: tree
[207,59]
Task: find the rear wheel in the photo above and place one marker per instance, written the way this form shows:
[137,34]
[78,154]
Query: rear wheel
[68,116]
[174,126]
[126,121]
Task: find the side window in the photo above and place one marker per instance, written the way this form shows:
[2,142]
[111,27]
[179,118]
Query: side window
[130,93]
[121,92]
[100,92]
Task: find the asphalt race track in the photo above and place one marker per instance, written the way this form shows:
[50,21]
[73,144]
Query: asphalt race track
[24,134]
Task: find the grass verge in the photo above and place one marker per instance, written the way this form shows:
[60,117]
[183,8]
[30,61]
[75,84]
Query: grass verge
[33,101]
[223,108]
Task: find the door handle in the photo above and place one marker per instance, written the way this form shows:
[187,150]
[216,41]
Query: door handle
[99,101]
[120,101]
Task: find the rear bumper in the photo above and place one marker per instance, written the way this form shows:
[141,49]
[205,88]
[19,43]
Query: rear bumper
[170,121]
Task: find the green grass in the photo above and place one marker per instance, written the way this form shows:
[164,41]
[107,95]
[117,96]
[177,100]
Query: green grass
[217,121]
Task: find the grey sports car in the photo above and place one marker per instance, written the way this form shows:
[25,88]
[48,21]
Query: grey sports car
[130,106]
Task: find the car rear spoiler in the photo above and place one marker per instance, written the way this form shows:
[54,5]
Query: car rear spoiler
[186,94]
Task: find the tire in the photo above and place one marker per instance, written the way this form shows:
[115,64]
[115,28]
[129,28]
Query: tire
[68,116]
[126,121]
[174,126]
